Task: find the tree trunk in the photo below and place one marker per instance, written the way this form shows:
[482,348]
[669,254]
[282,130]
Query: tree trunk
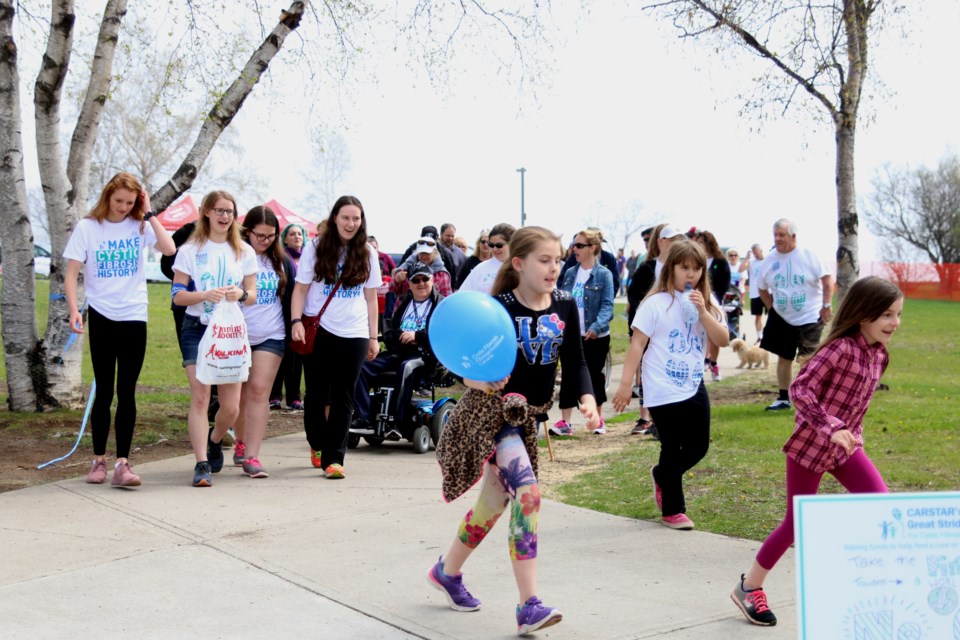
[65,187]
[848,258]
[223,112]
[20,345]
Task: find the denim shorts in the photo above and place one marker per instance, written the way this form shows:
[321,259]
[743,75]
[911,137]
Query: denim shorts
[190,334]
[276,347]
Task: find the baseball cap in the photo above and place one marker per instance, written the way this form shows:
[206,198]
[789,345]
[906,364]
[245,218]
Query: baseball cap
[668,233]
[418,269]
[426,244]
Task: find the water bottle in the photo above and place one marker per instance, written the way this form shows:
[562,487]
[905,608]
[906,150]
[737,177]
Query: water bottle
[690,313]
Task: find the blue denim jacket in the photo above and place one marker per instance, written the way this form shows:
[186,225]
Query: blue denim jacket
[597,297]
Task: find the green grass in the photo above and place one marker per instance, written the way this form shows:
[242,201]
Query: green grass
[738,489]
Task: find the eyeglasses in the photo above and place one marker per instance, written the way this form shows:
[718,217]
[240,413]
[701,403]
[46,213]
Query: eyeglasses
[496,245]
[420,280]
[223,212]
[263,238]
[580,245]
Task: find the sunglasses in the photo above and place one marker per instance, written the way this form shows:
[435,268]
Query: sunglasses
[733,255]
[496,245]
[580,245]
[420,280]
[646,239]
[429,243]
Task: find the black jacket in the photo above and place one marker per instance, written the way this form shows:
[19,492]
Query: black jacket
[391,337]
[166,262]
[719,277]
[640,285]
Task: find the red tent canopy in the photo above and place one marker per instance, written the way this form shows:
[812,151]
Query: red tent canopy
[179,214]
[285,217]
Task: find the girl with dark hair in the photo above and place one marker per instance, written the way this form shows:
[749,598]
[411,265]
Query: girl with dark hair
[832,393]
[224,271]
[339,274]
[268,327]
[478,435]
[670,331]
[292,238]
[110,246]
[719,270]
[482,277]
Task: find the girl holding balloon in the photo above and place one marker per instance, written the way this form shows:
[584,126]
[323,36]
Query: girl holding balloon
[492,432]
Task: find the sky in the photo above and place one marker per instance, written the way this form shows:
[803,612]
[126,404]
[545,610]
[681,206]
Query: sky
[627,113]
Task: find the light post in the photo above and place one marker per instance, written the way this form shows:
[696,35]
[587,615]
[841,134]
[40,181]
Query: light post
[523,211]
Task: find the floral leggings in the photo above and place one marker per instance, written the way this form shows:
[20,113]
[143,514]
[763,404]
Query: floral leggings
[508,479]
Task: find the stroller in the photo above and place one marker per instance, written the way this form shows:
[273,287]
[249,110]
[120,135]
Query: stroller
[733,306]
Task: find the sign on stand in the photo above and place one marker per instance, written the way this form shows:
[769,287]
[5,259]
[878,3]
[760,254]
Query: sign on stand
[878,566]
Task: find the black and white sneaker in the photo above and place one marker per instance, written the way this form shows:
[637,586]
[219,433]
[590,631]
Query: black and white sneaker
[753,605]
[780,405]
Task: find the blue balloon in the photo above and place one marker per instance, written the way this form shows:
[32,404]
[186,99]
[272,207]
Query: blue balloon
[472,336]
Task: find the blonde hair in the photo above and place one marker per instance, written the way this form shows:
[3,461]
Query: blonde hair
[522,244]
[594,237]
[119,181]
[201,232]
[685,251]
[653,251]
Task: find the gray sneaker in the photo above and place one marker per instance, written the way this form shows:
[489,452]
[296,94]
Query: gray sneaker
[253,468]
[753,605]
[779,405]
[452,586]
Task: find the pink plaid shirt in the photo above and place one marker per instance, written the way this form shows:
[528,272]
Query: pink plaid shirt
[832,392]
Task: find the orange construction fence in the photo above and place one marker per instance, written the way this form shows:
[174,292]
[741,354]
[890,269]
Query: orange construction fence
[923,280]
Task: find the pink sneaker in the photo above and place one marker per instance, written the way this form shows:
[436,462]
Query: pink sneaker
[657,494]
[602,429]
[679,521]
[123,476]
[561,428]
[97,473]
[239,453]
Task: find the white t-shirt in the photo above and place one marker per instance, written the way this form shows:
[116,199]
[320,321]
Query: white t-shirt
[582,276]
[673,362]
[482,277]
[793,279]
[754,271]
[415,315]
[211,266]
[265,318]
[346,315]
[113,254]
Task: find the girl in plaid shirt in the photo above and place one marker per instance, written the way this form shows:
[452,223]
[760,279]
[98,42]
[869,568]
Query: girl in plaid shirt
[831,394]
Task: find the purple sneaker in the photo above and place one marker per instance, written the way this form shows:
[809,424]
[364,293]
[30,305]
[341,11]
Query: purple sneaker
[457,594]
[533,616]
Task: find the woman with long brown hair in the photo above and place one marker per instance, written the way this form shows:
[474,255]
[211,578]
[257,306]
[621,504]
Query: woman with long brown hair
[339,273]
[224,270]
[110,245]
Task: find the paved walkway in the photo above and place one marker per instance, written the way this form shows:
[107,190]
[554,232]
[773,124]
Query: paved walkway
[296,555]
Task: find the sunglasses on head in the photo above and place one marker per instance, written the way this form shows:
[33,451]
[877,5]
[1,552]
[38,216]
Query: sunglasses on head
[420,280]
[429,243]
[496,245]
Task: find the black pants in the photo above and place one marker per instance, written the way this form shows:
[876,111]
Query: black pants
[117,350]
[288,375]
[331,373]
[595,354]
[684,429]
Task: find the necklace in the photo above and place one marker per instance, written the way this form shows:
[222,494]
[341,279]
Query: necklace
[523,301]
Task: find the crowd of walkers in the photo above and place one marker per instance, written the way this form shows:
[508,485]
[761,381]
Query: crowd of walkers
[314,301]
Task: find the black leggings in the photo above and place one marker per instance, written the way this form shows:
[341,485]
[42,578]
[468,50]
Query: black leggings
[684,429]
[595,354]
[288,375]
[116,349]
[330,374]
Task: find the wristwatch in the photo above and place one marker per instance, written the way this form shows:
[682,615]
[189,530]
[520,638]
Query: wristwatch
[827,305]
[244,297]
[149,214]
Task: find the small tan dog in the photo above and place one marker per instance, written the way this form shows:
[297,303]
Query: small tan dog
[750,357]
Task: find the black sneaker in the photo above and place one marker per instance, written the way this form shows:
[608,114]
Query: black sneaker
[753,605]
[650,433]
[640,427]
[201,475]
[214,453]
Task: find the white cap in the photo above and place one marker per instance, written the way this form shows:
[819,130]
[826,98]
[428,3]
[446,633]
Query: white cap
[426,244]
[668,233]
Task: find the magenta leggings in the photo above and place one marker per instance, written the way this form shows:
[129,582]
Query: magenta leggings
[857,475]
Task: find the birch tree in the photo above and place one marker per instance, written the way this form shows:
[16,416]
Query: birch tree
[818,50]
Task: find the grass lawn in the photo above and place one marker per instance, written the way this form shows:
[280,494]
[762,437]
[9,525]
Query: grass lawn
[911,433]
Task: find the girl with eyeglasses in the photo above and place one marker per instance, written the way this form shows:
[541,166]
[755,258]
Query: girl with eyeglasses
[110,246]
[482,277]
[268,328]
[341,270]
[224,270]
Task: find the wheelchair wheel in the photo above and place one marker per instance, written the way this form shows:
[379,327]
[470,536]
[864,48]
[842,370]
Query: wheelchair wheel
[421,439]
[439,420]
[374,441]
[353,441]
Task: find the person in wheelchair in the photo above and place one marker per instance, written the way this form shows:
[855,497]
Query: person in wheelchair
[406,339]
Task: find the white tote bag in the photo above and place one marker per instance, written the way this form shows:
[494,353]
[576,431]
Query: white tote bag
[223,356]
